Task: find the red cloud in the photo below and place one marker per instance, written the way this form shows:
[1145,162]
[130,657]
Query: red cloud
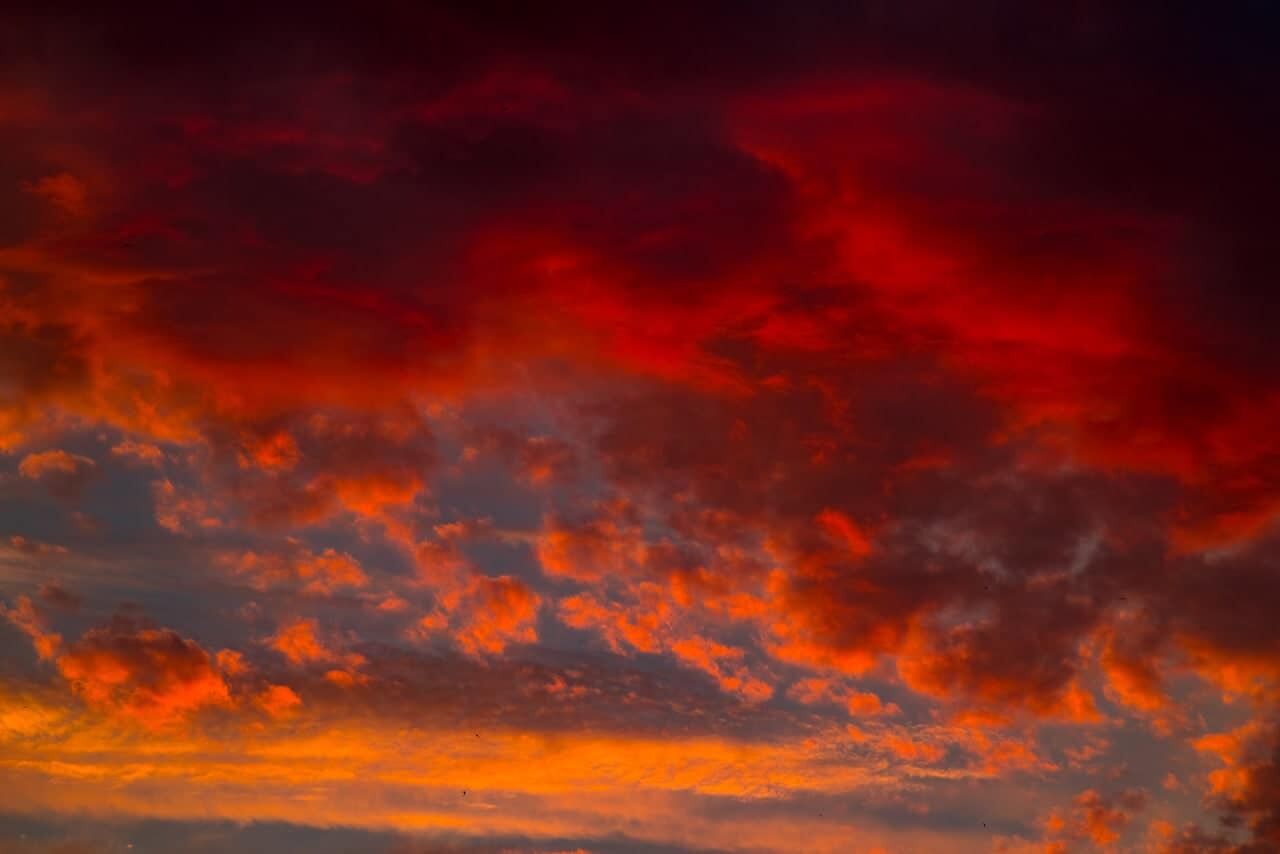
[151,675]
[64,190]
[846,530]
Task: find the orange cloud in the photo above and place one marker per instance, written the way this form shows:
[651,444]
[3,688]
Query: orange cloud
[719,662]
[1246,789]
[279,700]
[231,662]
[499,611]
[536,460]
[321,572]
[63,473]
[300,643]
[182,511]
[30,621]
[911,750]
[1134,679]
[1094,817]
[598,548]
[143,452]
[813,690]
[153,676]
[34,547]
[341,461]
[858,703]
[866,703]
[640,628]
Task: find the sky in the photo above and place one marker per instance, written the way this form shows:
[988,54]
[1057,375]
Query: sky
[640,427]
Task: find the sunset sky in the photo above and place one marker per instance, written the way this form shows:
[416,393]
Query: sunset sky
[640,427]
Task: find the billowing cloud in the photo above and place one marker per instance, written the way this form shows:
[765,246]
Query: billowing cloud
[128,667]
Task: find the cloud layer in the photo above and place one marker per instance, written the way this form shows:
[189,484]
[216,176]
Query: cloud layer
[855,425]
